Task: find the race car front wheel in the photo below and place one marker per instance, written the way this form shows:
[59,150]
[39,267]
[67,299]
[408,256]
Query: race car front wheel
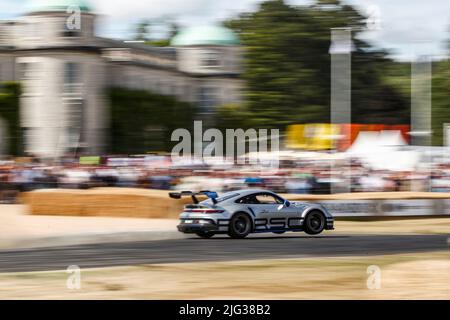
[314,222]
[240,226]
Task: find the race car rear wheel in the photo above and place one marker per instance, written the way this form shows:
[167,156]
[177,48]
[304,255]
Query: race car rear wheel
[240,226]
[314,222]
[205,235]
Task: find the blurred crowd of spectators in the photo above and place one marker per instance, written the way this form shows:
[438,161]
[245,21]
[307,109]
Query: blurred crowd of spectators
[300,177]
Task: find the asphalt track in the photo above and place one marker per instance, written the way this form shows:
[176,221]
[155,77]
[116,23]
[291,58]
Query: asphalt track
[215,249]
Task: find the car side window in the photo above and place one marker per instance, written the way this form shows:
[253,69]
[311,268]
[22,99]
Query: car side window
[267,198]
[250,199]
[260,198]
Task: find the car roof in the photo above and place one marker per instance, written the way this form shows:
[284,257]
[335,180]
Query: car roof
[232,195]
[246,192]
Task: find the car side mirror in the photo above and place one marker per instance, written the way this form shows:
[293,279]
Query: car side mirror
[286,204]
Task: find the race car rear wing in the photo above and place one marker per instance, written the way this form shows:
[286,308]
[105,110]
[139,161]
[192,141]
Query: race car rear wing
[210,194]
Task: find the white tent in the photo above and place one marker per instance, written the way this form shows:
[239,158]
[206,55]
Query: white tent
[369,142]
[396,160]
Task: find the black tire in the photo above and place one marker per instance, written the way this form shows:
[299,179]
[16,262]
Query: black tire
[205,235]
[314,222]
[240,226]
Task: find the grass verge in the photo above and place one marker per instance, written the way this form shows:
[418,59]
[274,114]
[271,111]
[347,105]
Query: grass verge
[403,276]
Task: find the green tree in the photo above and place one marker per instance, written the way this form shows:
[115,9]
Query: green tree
[287,65]
[142,121]
[9,112]
[440,100]
[174,29]
[143,31]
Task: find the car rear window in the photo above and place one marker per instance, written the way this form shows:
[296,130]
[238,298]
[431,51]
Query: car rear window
[227,196]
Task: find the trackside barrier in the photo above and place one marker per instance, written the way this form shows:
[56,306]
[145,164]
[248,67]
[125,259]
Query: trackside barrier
[389,208]
[383,204]
[142,203]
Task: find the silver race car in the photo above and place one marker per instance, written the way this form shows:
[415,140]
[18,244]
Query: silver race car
[239,213]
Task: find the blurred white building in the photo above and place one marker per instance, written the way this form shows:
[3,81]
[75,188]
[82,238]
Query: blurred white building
[65,73]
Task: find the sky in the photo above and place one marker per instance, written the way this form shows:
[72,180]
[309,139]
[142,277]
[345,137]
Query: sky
[406,28]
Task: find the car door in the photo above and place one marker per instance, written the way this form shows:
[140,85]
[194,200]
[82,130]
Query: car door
[258,210]
[292,215]
[268,213]
[279,216]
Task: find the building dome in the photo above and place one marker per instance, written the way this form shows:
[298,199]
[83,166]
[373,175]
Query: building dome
[206,35]
[58,5]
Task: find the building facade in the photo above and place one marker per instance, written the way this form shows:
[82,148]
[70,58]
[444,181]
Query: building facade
[65,70]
